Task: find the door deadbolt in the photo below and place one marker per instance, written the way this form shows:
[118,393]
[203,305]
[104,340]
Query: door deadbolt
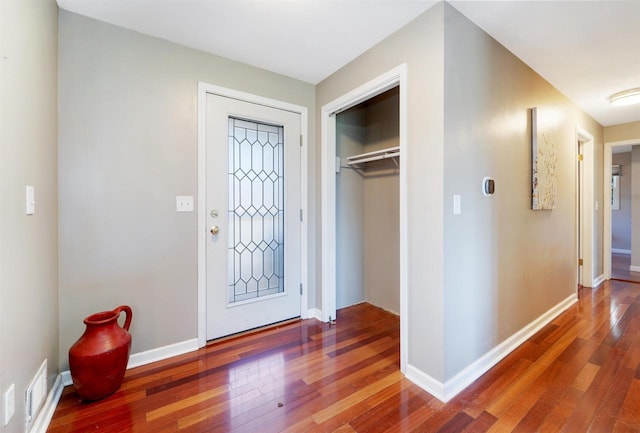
[214,213]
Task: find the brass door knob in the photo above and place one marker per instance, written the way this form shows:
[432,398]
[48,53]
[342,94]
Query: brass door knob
[215,230]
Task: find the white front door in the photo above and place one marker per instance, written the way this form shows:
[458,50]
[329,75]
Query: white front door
[253,215]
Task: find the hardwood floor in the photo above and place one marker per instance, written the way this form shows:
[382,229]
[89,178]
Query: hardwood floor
[620,268]
[581,373]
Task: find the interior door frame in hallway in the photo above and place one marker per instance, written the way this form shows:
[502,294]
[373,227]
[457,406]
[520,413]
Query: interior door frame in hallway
[396,77]
[607,229]
[585,213]
[203,90]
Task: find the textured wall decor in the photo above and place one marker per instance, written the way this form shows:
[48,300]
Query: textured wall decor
[544,184]
[615,190]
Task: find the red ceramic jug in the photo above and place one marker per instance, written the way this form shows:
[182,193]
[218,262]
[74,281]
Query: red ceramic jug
[98,360]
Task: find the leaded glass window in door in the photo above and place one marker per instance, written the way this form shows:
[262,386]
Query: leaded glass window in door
[256,210]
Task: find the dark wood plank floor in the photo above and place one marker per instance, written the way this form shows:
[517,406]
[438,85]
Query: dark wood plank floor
[581,373]
[620,268]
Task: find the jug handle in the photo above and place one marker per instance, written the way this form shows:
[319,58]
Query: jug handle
[129,314]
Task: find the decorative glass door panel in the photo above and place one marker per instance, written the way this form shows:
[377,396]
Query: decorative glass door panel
[256,210]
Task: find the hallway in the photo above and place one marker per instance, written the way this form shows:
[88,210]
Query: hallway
[620,268]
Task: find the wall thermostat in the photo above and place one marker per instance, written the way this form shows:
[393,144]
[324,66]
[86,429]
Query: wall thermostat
[488,186]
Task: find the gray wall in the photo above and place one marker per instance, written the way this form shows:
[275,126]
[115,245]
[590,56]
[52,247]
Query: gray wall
[28,156]
[505,264]
[382,206]
[128,146]
[621,218]
[622,132]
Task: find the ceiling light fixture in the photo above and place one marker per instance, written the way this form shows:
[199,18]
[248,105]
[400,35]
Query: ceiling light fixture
[627,97]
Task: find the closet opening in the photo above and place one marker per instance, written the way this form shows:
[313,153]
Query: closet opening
[376,149]
[367,192]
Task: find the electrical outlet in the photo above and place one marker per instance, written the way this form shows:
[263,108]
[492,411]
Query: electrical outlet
[184,203]
[9,404]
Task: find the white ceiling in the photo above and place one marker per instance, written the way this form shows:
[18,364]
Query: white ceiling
[587,49]
[303,39]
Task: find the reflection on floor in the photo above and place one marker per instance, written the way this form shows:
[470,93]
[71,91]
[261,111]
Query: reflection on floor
[620,268]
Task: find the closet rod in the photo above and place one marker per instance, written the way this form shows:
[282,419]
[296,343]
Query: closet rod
[374,158]
[376,155]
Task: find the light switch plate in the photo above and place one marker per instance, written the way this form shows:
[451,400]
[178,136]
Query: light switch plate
[184,203]
[457,207]
[30,200]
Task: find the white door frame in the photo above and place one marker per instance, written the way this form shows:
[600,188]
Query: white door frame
[588,208]
[606,208]
[386,81]
[579,212]
[203,90]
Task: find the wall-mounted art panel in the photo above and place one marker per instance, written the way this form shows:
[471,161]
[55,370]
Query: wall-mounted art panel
[544,184]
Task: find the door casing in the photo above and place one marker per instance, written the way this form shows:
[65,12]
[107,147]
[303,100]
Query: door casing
[579,213]
[203,90]
[606,208]
[585,228]
[394,77]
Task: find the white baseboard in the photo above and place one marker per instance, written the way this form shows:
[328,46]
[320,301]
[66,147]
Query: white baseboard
[620,251]
[633,268]
[314,313]
[43,418]
[149,356]
[599,280]
[446,391]
[426,382]
[160,353]
[66,378]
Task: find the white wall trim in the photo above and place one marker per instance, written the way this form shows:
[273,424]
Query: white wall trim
[314,313]
[160,353]
[620,251]
[588,207]
[395,77]
[598,280]
[149,356]
[65,376]
[446,391]
[606,208]
[43,419]
[426,382]
[203,90]
[202,218]
[328,213]
[633,268]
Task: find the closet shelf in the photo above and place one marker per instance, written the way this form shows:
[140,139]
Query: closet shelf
[376,155]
